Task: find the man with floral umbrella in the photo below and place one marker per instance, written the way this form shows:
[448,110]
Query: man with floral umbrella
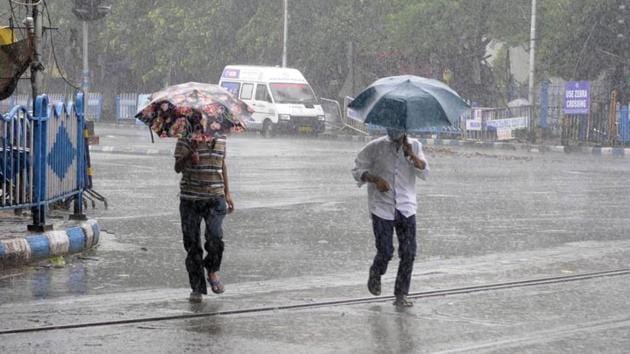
[199,114]
[204,194]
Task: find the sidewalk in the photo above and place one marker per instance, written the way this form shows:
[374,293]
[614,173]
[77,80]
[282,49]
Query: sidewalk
[20,247]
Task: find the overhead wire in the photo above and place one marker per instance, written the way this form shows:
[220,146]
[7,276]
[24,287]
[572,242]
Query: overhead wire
[26,3]
[52,47]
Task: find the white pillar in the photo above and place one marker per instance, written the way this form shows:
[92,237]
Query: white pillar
[532,54]
[285,34]
[85,84]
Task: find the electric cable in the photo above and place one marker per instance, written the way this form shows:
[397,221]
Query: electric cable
[52,46]
[26,3]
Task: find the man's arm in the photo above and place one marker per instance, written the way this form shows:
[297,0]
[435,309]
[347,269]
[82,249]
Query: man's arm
[361,174]
[380,183]
[183,154]
[416,158]
[182,161]
[226,189]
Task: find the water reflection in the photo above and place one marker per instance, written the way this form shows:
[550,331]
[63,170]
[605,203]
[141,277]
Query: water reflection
[71,279]
[43,282]
[392,329]
[210,325]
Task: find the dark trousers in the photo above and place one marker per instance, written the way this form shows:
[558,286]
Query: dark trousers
[212,211]
[383,234]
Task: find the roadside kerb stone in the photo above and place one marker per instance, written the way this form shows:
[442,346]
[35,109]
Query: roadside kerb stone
[17,251]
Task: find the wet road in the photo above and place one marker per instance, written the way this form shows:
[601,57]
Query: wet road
[301,219]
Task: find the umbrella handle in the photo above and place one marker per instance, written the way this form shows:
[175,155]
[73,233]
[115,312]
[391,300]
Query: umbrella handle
[151,132]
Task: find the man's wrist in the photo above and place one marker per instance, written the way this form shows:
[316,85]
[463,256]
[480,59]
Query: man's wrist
[367,177]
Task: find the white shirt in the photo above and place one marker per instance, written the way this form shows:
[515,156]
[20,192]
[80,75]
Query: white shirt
[381,158]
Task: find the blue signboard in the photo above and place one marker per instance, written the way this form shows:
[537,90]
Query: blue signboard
[231,87]
[231,73]
[577,97]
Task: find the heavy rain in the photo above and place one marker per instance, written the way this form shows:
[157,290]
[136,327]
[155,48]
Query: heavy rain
[342,176]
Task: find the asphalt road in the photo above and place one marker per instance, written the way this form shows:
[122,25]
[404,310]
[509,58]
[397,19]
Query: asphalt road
[301,225]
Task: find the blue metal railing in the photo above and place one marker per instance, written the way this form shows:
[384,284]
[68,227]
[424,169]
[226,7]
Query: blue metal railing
[43,156]
[16,158]
[623,117]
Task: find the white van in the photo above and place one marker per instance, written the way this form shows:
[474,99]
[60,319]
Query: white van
[282,99]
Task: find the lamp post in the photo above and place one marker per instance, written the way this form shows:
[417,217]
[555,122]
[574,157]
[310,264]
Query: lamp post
[85,74]
[285,33]
[88,10]
[532,63]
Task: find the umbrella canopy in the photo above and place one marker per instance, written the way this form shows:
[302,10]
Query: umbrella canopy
[409,102]
[194,111]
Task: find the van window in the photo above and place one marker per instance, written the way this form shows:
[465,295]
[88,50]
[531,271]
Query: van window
[231,87]
[247,91]
[262,94]
[292,93]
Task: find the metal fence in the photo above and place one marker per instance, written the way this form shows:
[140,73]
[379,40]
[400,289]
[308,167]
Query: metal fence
[624,124]
[16,158]
[43,155]
[93,111]
[606,124]
[332,112]
[126,106]
[489,124]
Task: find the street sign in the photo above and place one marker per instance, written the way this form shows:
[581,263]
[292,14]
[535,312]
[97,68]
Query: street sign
[577,97]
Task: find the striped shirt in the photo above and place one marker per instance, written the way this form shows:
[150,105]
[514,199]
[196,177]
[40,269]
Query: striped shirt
[203,180]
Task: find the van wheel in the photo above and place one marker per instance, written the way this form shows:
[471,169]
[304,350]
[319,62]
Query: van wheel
[267,129]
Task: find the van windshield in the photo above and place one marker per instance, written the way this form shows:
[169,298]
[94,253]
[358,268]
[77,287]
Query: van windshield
[292,93]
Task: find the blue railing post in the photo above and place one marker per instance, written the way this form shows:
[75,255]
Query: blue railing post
[624,124]
[40,143]
[544,103]
[79,111]
[118,109]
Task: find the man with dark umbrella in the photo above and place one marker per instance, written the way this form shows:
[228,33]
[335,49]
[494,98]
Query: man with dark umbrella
[390,166]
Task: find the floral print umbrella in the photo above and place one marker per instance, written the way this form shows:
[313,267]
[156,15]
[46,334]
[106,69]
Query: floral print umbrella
[194,111]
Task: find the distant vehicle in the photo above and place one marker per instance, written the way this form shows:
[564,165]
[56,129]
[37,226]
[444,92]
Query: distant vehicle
[282,99]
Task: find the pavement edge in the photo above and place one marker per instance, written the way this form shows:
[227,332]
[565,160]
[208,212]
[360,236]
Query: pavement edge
[17,251]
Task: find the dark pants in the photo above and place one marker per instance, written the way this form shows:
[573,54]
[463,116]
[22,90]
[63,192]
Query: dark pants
[212,211]
[383,234]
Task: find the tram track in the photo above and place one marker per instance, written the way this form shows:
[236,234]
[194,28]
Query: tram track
[355,301]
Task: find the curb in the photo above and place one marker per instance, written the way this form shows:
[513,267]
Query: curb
[23,250]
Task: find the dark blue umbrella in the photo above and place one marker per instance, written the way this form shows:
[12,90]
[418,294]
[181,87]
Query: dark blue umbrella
[409,102]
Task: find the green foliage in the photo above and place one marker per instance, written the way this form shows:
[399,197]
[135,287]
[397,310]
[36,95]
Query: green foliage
[579,38]
[145,44]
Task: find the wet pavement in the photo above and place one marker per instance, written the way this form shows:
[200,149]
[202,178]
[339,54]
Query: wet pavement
[301,235]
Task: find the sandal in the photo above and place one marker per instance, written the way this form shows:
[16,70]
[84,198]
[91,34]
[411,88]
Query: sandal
[402,301]
[216,286]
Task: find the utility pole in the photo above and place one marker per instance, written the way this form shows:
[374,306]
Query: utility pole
[35,31]
[85,82]
[88,10]
[532,63]
[34,26]
[285,33]
[532,54]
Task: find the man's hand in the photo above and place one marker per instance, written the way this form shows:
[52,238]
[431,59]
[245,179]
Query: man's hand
[230,202]
[408,151]
[381,184]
